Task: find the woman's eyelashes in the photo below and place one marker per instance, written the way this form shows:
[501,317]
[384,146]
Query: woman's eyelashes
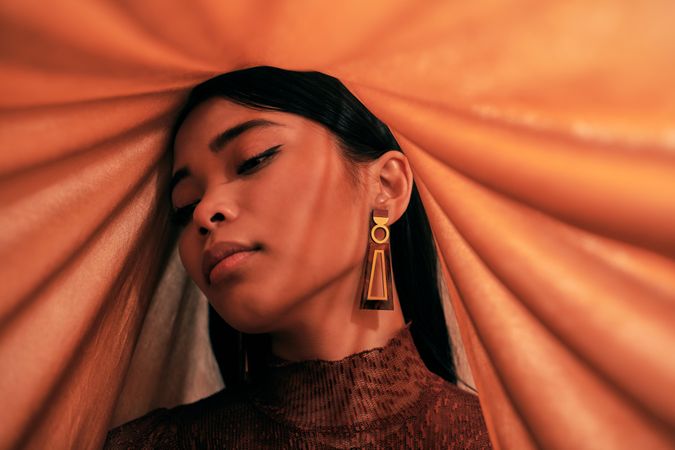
[250,164]
[183,215]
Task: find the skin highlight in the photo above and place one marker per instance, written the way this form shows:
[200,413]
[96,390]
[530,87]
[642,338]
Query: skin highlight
[309,219]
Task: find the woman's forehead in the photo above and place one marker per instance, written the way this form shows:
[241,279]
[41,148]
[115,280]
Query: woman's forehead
[216,122]
[217,114]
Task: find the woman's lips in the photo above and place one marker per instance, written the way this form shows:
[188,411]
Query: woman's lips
[225,266]
[223,257]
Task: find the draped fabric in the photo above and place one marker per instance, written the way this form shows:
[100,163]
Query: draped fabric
[541,136]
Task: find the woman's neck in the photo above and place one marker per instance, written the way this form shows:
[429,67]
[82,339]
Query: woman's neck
[331,330]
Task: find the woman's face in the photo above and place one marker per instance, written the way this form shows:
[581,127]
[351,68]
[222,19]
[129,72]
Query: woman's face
[295,211]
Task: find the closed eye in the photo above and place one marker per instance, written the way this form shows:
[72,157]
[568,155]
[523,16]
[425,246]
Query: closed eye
[253,163]
[183,215]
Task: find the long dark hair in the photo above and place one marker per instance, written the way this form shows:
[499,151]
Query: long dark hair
[362,137]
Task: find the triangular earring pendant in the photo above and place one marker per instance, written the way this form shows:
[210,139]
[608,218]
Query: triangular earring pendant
[376,292]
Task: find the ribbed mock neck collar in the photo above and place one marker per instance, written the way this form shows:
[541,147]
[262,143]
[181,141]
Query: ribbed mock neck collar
[382,383]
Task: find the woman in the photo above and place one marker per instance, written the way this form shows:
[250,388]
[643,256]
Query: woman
[302,225]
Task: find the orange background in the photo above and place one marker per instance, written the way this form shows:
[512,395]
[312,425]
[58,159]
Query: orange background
[541,135]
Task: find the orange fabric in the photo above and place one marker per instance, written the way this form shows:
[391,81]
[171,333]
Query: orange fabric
[540,133]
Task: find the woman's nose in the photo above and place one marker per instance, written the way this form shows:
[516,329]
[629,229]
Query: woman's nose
[210,214]
[217,217]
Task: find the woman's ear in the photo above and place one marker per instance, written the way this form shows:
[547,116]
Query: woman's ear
[392,184]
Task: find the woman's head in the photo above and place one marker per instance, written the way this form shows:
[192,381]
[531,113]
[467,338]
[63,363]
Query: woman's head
[290,165]
[302,208]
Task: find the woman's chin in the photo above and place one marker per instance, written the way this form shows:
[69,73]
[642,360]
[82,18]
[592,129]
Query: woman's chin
[252,317]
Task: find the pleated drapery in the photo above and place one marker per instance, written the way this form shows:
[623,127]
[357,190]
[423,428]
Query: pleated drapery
[541,136]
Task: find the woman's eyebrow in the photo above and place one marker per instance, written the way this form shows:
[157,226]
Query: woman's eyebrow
[222,139]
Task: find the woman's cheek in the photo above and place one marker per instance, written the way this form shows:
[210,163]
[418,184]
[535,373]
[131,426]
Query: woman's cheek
[189,257]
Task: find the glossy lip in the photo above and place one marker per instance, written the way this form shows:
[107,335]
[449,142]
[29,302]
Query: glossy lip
[218,252]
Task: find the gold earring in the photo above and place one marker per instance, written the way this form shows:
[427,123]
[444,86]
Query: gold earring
[376,291]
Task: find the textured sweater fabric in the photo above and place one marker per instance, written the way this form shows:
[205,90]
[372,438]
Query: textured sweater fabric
[380,398]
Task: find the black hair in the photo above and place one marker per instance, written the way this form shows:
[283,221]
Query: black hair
[362,137]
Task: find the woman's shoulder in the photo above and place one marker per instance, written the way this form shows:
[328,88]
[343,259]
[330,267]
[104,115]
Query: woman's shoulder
[451,395]
[151,430]
[458,413]
[158,428]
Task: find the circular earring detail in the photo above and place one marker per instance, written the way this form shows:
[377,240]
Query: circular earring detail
[376,290]
[380,224]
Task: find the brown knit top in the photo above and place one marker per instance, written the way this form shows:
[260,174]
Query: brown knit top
[380,398]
